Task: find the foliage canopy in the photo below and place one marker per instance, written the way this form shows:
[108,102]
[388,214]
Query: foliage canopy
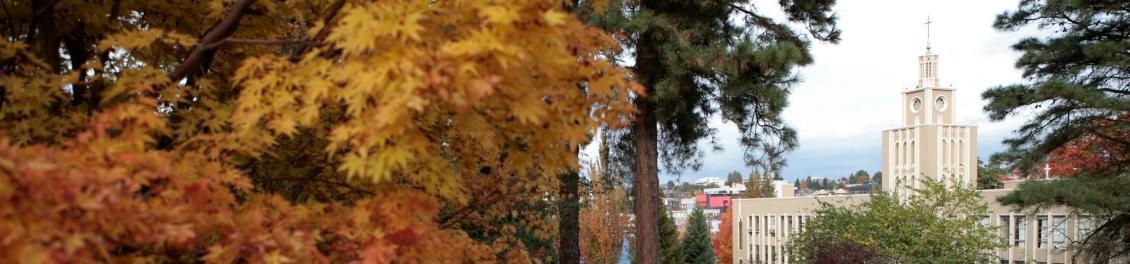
[935,223]
[293,131]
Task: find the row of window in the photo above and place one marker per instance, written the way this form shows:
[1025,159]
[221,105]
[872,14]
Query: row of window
[1051,231]
[773,254]
[769,226]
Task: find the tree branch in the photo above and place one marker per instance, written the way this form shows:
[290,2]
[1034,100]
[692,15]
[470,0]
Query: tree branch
[251,42]
[208,42]
[322,33]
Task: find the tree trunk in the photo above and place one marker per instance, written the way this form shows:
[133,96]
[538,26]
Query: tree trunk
[569,241]
[46,35]
[646,184]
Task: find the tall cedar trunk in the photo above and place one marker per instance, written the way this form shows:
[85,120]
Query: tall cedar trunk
[646,184]
[569,241]
[649,66]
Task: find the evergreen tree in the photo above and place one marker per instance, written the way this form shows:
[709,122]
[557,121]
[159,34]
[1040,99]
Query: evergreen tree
[1078,89]
[988,175]
[859,177]
[696,243]
[698,59]
[669,247]
[733,177]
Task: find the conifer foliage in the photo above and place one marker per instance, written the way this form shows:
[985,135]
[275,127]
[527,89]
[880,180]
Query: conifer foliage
[293,131]
[699,59]
[697,248]
[1077,87]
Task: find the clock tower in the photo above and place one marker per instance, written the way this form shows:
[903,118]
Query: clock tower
[928,145]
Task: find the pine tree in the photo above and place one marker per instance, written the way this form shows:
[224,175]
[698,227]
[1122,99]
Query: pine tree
[1078,91]
[669,247]
[698,59]
[697,248]
[733,177]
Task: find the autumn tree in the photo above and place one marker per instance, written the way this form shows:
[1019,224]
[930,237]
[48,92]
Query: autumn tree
[700,59]
[1075,98]
[603,218]
[759,185]
[294,131]
[723,242]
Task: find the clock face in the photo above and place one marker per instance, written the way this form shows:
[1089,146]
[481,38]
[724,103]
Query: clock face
[940,103]
[916,105]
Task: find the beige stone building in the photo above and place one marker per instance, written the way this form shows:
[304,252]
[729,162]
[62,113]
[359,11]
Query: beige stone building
[929,145]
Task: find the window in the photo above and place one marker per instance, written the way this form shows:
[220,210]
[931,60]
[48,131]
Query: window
[741,235]
[781,227]
[756,225]
[752,226]
[1004,227]
[1019,232]
[985,222]
[790,226]
[755,254]
[1059,231]
[1086,226]
[1042,231]
[772,226]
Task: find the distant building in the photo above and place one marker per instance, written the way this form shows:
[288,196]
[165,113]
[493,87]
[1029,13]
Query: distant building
[708,180]
[783,189]
[733,189]
[679,209]
[929,146]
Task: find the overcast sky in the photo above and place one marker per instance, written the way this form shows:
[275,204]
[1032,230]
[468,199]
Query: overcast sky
[851,93]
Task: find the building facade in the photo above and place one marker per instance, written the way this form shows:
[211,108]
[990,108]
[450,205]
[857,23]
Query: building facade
[928,146]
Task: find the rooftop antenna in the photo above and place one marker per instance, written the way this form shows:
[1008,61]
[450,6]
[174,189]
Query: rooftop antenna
[928,22]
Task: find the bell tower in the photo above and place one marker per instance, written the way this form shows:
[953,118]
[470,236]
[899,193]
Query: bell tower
[929,145]
[928,102]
